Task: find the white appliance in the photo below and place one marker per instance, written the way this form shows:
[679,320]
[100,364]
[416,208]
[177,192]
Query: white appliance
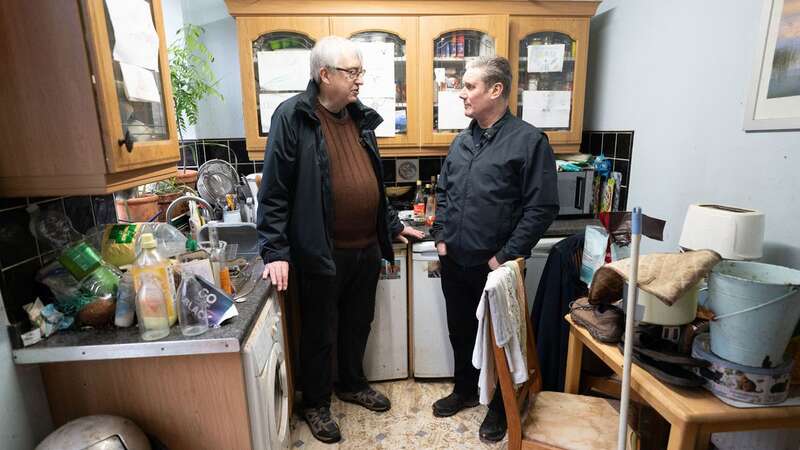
[386,355]
[433,354]
[534,267]
[266,380]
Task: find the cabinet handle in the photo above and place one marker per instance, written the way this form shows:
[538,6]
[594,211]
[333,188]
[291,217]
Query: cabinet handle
[128,141]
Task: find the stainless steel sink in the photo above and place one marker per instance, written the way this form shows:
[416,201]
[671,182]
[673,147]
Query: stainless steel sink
[242,234]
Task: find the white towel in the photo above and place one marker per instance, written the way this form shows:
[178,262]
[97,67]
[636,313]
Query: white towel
[500,296]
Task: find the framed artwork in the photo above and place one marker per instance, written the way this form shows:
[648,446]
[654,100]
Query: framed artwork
[774,100]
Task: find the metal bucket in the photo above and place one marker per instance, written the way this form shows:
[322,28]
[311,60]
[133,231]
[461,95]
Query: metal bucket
[756,308]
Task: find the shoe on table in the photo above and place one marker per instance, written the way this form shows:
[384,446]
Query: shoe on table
[493,427]
[368,398]
[453,403]
[322,425]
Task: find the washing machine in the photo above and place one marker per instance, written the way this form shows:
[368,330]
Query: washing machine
[266,379]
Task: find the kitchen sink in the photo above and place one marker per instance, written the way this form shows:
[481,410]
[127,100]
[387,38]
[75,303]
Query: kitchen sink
[244,235]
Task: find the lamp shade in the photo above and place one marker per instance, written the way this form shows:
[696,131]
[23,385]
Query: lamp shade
[734,233]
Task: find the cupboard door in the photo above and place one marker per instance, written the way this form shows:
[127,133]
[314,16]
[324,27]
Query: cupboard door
[133,84]
[447,44]
[549,57]
[396,100]
[273,54]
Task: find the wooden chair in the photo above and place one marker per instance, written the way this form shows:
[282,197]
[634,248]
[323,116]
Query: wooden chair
[550,420]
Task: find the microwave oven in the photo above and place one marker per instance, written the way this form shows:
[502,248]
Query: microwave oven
[575,193]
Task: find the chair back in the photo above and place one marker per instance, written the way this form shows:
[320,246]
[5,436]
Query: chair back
[515,401]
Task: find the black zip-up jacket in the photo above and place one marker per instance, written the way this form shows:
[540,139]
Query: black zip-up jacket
[496,198]
[295,213]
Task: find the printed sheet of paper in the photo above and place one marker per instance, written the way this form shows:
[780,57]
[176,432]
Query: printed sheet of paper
[546,109]
[546,58]
[140,84]
[284,70]
[136,39]
[267,104]
[451,111]
[378,61]
[385,107]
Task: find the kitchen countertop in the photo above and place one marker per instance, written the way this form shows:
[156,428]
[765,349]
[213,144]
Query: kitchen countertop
[559,227]
[120,343]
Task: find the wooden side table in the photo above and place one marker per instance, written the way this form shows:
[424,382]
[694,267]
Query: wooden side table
[692,413]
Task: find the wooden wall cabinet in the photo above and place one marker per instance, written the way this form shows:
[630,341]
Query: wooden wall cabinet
[436,39]
[65,117]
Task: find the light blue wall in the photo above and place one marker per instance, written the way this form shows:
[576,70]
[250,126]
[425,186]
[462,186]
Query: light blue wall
[678,73]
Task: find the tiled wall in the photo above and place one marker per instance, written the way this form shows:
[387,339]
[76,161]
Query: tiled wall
[616,146]
[21,255]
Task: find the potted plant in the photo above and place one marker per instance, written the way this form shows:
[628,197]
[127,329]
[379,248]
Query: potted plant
[139,204]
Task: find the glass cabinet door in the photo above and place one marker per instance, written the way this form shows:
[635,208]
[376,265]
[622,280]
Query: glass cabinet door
[134,84]
[549,76]
[448,44]
[274,53]
[390,54]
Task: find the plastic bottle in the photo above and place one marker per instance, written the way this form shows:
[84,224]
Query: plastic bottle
[430,208]
[419,203]
[150,261]
[79,258]
[222,276]
[151,307]
[126,299]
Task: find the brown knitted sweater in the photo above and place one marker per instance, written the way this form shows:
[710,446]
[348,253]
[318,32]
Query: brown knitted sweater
[355,188]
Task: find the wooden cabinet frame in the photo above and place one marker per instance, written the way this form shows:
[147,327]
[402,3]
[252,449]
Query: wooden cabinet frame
[248,29]
[407,28]
[566,141]
[432,27]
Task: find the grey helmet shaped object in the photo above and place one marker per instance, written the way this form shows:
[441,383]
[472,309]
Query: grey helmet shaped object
[101,432]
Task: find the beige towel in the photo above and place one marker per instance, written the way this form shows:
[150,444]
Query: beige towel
[666,275]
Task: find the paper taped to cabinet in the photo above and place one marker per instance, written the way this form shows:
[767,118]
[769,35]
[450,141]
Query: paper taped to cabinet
[267,104]
[378,61]
[546,109]
[135,37]
[140,84]
[546,58]
[284,70]
[451,111]
[385,107]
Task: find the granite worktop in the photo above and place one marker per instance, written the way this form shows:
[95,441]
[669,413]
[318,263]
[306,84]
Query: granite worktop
[118,343]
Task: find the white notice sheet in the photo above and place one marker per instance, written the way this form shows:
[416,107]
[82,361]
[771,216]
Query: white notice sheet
[136,40]
[267,104]
[546,58]
[284,70]
[378,61]
[546,109]
[140,84]
[385,107]
[451,111]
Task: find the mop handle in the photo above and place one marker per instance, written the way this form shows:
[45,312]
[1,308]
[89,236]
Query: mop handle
[636,236]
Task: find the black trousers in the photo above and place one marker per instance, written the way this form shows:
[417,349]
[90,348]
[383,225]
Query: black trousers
[462,287]
[343,306]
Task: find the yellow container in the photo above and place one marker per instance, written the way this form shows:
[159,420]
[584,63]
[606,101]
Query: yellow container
[149,260]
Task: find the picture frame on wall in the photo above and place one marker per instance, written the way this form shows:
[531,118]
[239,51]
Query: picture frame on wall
[774,99]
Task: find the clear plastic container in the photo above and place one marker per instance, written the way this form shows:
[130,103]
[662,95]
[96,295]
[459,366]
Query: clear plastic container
[126,299]
[151,307]
[149,260]
[192,307]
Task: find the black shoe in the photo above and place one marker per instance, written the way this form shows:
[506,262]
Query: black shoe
[322,425]
[368,398]
[493,427]
[453,403]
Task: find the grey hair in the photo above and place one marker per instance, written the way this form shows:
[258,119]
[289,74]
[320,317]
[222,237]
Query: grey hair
[494,69]
[328,50]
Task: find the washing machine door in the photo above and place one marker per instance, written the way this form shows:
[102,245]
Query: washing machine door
[273,384]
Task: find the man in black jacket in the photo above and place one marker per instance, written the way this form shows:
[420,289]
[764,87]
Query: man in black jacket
[322,208]
[497,195]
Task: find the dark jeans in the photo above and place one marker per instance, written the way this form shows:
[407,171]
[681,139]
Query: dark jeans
[341,305]
[462,287]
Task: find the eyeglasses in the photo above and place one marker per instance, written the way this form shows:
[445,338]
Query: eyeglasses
[352,74]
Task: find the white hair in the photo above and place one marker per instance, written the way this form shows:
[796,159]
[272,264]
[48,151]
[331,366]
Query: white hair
[328,50]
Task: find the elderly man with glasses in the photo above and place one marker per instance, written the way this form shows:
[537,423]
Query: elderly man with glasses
[323,211]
